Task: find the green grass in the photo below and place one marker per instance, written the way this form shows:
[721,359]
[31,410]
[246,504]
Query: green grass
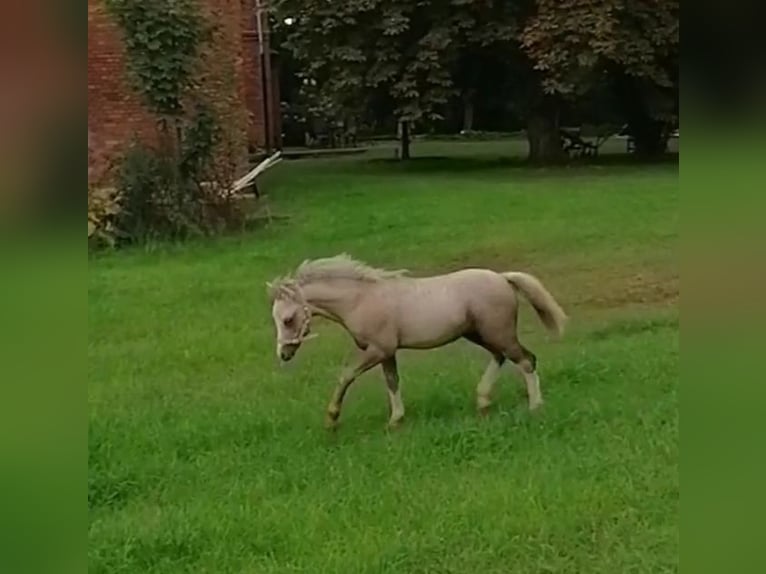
[206,456]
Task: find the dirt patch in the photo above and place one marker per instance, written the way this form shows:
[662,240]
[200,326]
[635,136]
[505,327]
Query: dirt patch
[657,287]
[633,326]
[607,286]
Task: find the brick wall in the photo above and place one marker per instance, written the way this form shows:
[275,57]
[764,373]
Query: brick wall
[116,113]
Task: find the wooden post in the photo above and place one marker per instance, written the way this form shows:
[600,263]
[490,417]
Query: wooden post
[404,139]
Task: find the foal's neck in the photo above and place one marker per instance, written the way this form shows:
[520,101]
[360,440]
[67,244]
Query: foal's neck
[334,299]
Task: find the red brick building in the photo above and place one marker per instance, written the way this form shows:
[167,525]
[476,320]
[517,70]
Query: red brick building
[116,113]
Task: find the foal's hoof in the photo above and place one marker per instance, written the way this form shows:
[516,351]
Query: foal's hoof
[483,412]
[331,422]
[394,425]
[330,425]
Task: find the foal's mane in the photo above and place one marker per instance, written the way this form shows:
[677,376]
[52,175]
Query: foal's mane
[341,266]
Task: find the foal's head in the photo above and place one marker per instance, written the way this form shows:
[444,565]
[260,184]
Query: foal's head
[292,318]
[290,310]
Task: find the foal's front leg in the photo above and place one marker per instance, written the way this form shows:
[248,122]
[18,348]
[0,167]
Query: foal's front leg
[370,357]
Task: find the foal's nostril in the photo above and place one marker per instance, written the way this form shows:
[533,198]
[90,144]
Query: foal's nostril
[286,355]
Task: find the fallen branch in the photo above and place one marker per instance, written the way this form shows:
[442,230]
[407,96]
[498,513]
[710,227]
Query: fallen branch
[249,178]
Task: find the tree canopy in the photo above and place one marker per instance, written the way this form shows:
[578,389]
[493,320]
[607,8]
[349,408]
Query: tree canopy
[570,41]
[418,55]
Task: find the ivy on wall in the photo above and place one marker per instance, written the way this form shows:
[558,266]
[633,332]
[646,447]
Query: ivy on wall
[181,61]
[163,40]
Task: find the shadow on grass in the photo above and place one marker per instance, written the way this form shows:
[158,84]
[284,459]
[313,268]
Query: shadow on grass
[446,164]
[632,327]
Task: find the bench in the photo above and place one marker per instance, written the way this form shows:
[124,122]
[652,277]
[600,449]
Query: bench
[630,142]
[586,140]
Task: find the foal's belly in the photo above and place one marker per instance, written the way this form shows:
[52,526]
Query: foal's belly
[423,338]
[430,316]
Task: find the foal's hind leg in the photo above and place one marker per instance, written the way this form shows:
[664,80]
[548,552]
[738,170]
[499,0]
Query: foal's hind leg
[526,361]
[391,374]
[487,383]
[491,373]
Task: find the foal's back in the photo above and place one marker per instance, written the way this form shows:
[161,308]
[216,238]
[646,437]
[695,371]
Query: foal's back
[465,285]
[429,311]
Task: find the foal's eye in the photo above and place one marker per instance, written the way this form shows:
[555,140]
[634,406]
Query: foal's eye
[288,321]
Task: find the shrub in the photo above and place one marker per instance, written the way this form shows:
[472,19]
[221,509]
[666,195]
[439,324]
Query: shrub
[163,199]
[104,209]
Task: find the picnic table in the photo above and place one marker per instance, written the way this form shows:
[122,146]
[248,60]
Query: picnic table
[585,141]
[335,134]
[630,142]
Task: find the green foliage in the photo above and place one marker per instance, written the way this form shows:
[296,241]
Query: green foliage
[104,208]
[533,57]
[163,39]
[159,201]
[630,46]
[571,41]
[179,188]
[201,136]
[402,48]
[155,203]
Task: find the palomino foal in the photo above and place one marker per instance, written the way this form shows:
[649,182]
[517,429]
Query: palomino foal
[384,311]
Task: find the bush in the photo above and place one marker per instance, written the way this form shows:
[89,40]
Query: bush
[104,209]
[165,199]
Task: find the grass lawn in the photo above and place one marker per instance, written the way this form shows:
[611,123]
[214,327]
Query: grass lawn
[205,456]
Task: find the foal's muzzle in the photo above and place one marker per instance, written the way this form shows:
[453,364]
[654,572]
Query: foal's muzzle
[287,351]
[286,348]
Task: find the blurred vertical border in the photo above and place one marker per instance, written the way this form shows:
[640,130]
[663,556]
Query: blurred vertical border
[723,185]
[43,267]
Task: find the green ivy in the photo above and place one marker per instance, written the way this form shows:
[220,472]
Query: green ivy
[201,135]
[171,191]
[163,39]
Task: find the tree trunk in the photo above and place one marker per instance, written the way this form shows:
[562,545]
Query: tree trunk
[649,135]
[468,111]
[544,137]
[405,140]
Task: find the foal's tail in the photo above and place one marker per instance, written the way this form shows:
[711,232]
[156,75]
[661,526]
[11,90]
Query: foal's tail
[549,311]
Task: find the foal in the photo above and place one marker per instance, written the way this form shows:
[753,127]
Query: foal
[384,311]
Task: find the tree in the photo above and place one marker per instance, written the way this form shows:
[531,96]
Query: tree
[632,44]
[419,54]
[539,55]
[486,38]
[355,49]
